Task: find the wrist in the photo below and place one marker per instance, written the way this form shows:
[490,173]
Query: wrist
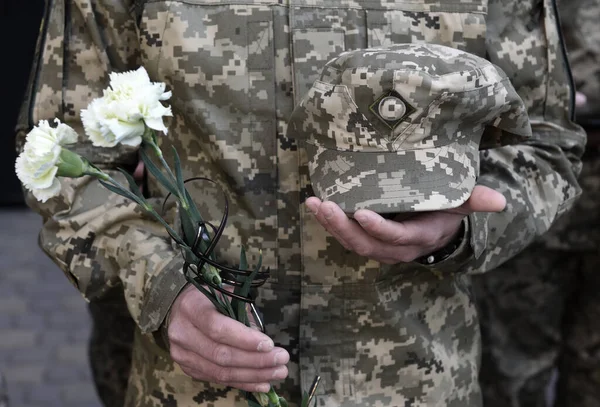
[446,251]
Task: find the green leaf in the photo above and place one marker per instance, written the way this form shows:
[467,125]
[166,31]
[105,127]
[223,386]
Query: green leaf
[208,295]
[187,218]
[179,174]
[157,173]
[243,259]
[189,228]
[240,306]
[121,191]
[248,283]
[133,187]
[225,304]
[194,212]
[305,400]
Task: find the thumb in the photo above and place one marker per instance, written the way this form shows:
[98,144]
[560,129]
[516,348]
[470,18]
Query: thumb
[482,199]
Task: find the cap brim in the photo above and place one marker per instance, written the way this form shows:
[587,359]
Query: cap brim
[403,181]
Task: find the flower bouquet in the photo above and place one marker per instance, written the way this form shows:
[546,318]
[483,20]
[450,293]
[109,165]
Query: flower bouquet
[131,113]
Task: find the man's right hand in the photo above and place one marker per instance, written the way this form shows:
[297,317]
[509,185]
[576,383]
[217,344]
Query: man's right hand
[215,348]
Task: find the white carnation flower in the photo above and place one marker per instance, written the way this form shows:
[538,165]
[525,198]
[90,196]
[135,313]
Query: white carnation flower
[130,104]
[36,166]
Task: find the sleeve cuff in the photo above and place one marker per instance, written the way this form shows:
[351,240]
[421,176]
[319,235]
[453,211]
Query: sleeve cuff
[161,295]
[461,255]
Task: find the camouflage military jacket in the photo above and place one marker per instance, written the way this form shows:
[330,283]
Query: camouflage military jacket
[378,335]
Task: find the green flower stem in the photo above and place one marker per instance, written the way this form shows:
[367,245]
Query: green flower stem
[273,397]
[210,273]
[149,137]
[97,173]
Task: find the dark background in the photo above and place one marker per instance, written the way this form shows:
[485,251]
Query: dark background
[19,26]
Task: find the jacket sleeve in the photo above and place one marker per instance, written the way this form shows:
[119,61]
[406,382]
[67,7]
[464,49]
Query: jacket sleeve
[100,240]
[539,176]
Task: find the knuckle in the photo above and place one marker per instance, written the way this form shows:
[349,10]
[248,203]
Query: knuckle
[222,376]
[189,303]
[363,250]
[400,240]
[215,330]
[221,355]
[175,334]
[176,354]
[192,373]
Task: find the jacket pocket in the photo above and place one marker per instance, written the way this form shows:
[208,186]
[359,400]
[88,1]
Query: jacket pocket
[219,62]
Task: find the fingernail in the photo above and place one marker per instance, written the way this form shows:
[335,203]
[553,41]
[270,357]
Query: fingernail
[312,208]
[328,213]
[280,373]
[281,358]
[265,346]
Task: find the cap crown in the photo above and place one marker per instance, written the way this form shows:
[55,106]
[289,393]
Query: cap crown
[408,97]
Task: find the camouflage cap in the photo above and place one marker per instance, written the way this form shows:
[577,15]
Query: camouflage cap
[398,129]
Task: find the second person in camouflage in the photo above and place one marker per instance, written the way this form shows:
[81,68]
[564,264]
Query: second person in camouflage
[540,311]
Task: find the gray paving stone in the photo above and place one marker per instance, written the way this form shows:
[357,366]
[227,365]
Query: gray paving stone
[59,374]
[32,355]
[61,320]
[13,305]
[17,339]
[25,373]
[30,321]
[79,393]
[6,322]
[52,338]
[44,322]
[73,354]
[24,276]
[45,395]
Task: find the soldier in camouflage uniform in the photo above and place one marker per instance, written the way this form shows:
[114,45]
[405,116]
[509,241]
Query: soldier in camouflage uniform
[540,311]
[378,333]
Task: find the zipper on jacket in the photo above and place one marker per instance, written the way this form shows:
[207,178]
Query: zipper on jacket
[566,61]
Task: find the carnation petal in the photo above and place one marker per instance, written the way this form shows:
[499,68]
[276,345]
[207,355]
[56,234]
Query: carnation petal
[46,193]
[123,130]
[66,134]
[132,141]
[43,177]
[156,124]
[21,169]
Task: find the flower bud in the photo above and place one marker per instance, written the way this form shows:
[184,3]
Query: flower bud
[262,399]
[71,164]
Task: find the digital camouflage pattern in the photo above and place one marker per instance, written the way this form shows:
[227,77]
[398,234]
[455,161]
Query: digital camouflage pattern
[582,38]
[398,129]
[378,335]
[539,311]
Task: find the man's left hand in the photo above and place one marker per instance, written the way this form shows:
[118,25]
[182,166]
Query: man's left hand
[401,240]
